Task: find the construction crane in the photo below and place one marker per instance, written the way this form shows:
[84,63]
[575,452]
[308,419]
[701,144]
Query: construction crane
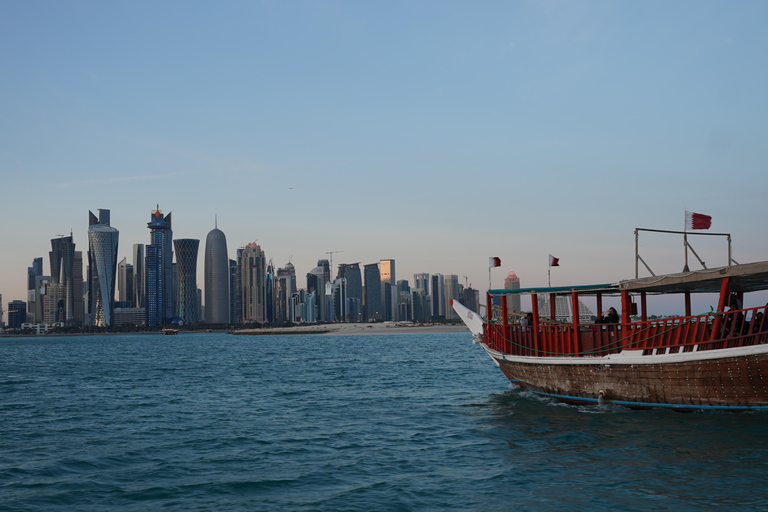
[331,254]
[466,281]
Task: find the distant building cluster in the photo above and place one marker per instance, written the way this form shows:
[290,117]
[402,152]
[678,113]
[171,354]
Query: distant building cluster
[159,287]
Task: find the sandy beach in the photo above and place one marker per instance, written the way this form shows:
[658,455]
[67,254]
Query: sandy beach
[361,328]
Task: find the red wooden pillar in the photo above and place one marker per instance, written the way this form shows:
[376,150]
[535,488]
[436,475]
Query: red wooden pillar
[720,306]
[535,327]
[687,303]
[505,324]
[489,307]
[626,304]
[644,307]
[575,334]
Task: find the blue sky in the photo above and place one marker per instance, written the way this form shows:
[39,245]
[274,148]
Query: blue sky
[434,133]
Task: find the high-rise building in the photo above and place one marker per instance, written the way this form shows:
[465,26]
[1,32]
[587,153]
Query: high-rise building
[159,270]
[62,260]
[77,283]
[2,324]
[270,305]
[437,296]
[102,268]
[139,276]
[421,282]
[217,278]
[340,300]
[283,286]
[235,291]
[372,299]
[186,262]
[125,282]
[388,282]
[404,308]
[354,293]
[326,266]
[254,284]
[512,282]
[451,289]
[17,313]
[316,285]
[32,272]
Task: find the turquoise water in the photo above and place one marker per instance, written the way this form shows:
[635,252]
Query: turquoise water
[398,422]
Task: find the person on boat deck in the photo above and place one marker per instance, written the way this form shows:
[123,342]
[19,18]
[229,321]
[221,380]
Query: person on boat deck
[526,321]
[608,317]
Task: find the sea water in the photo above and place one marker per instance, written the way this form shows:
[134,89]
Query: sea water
[371,422]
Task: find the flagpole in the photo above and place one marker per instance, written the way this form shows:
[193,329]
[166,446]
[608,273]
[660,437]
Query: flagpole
[549,278]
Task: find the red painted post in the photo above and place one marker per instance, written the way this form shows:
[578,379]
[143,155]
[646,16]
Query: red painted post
[505,324]
[644,307]
[535,327]
[720,306]
[575,348]
[625,305]
[687,303]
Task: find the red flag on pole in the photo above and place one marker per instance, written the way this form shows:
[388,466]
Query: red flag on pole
[494,262]
[554,262]
[697,220]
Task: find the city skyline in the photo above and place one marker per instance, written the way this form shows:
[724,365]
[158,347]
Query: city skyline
[437,135]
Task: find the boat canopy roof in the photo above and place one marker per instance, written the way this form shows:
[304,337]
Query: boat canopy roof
[589,289]
[749,277]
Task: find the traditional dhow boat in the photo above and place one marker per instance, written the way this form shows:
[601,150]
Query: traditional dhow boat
[716,360]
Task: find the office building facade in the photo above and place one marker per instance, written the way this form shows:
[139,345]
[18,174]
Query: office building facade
[186,263]
[217,278]
[159,270]
[102,268]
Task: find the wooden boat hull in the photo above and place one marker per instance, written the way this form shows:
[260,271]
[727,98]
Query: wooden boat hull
[733,379]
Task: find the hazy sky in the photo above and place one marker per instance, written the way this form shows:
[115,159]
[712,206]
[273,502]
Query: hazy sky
[435,133]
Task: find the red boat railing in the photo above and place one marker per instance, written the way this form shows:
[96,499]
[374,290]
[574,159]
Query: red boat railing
[665,336]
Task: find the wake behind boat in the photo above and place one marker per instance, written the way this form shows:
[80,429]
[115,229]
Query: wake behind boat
[717,360]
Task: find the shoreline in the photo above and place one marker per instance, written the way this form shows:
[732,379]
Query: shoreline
[349,329]
[340,329]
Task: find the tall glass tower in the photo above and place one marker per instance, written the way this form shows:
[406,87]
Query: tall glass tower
[186,260]
[62,274]
[102,268]
[372,305]
[159,258]
[217,278]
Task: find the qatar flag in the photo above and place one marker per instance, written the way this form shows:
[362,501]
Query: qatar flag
[554,262]
[493,261]
[697,220]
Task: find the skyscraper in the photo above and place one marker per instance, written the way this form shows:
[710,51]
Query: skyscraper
[159,265]
[283,286]
[216,276]
[102,268]
[512,282]
[235,291]
[437,296]
[17,313]
[139,277]
[254,284]
[186,261]
[316,285]
[372,300]
[62,259]
[388,283]
[451,292]
[125,282]
[354,292]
